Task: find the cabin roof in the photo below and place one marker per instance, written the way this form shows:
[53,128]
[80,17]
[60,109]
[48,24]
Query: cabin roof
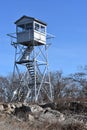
[37,20]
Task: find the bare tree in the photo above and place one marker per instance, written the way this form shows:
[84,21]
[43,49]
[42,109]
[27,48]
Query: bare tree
[58,84]
[4,88]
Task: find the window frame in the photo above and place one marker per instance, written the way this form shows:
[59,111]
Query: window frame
[40,26]
[24,27]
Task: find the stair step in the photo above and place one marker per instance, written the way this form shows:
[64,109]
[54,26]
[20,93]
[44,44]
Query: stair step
[31,70]
[32,75]
[29,66]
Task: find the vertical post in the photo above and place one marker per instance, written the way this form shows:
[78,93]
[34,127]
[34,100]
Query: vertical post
[14,60]
[34,70]
[50,86]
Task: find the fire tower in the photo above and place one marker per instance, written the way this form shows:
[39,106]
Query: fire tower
[31,72]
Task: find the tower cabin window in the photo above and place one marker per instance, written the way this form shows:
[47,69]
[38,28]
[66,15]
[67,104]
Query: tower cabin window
[29,26]
[24,27]
[40,28]
[20,28]
[37,27]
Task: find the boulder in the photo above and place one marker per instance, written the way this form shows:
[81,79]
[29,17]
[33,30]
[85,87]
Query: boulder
[1,107]
[51,116]
[31,118]
[36,108]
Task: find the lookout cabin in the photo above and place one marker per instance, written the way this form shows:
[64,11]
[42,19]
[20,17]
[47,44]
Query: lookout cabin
[30,31]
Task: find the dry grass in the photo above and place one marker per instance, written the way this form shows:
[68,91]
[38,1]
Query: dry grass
[72,105]
[74,126]
[13,122]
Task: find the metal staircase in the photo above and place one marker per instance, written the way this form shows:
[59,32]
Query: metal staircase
[25,59]
[25,55]
[31,71]
[34,75]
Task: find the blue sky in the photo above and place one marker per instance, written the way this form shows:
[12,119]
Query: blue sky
[66,19]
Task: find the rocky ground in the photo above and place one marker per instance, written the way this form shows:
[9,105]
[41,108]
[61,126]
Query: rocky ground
[48,116]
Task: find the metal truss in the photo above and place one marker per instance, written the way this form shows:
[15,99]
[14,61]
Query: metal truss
[31,72]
